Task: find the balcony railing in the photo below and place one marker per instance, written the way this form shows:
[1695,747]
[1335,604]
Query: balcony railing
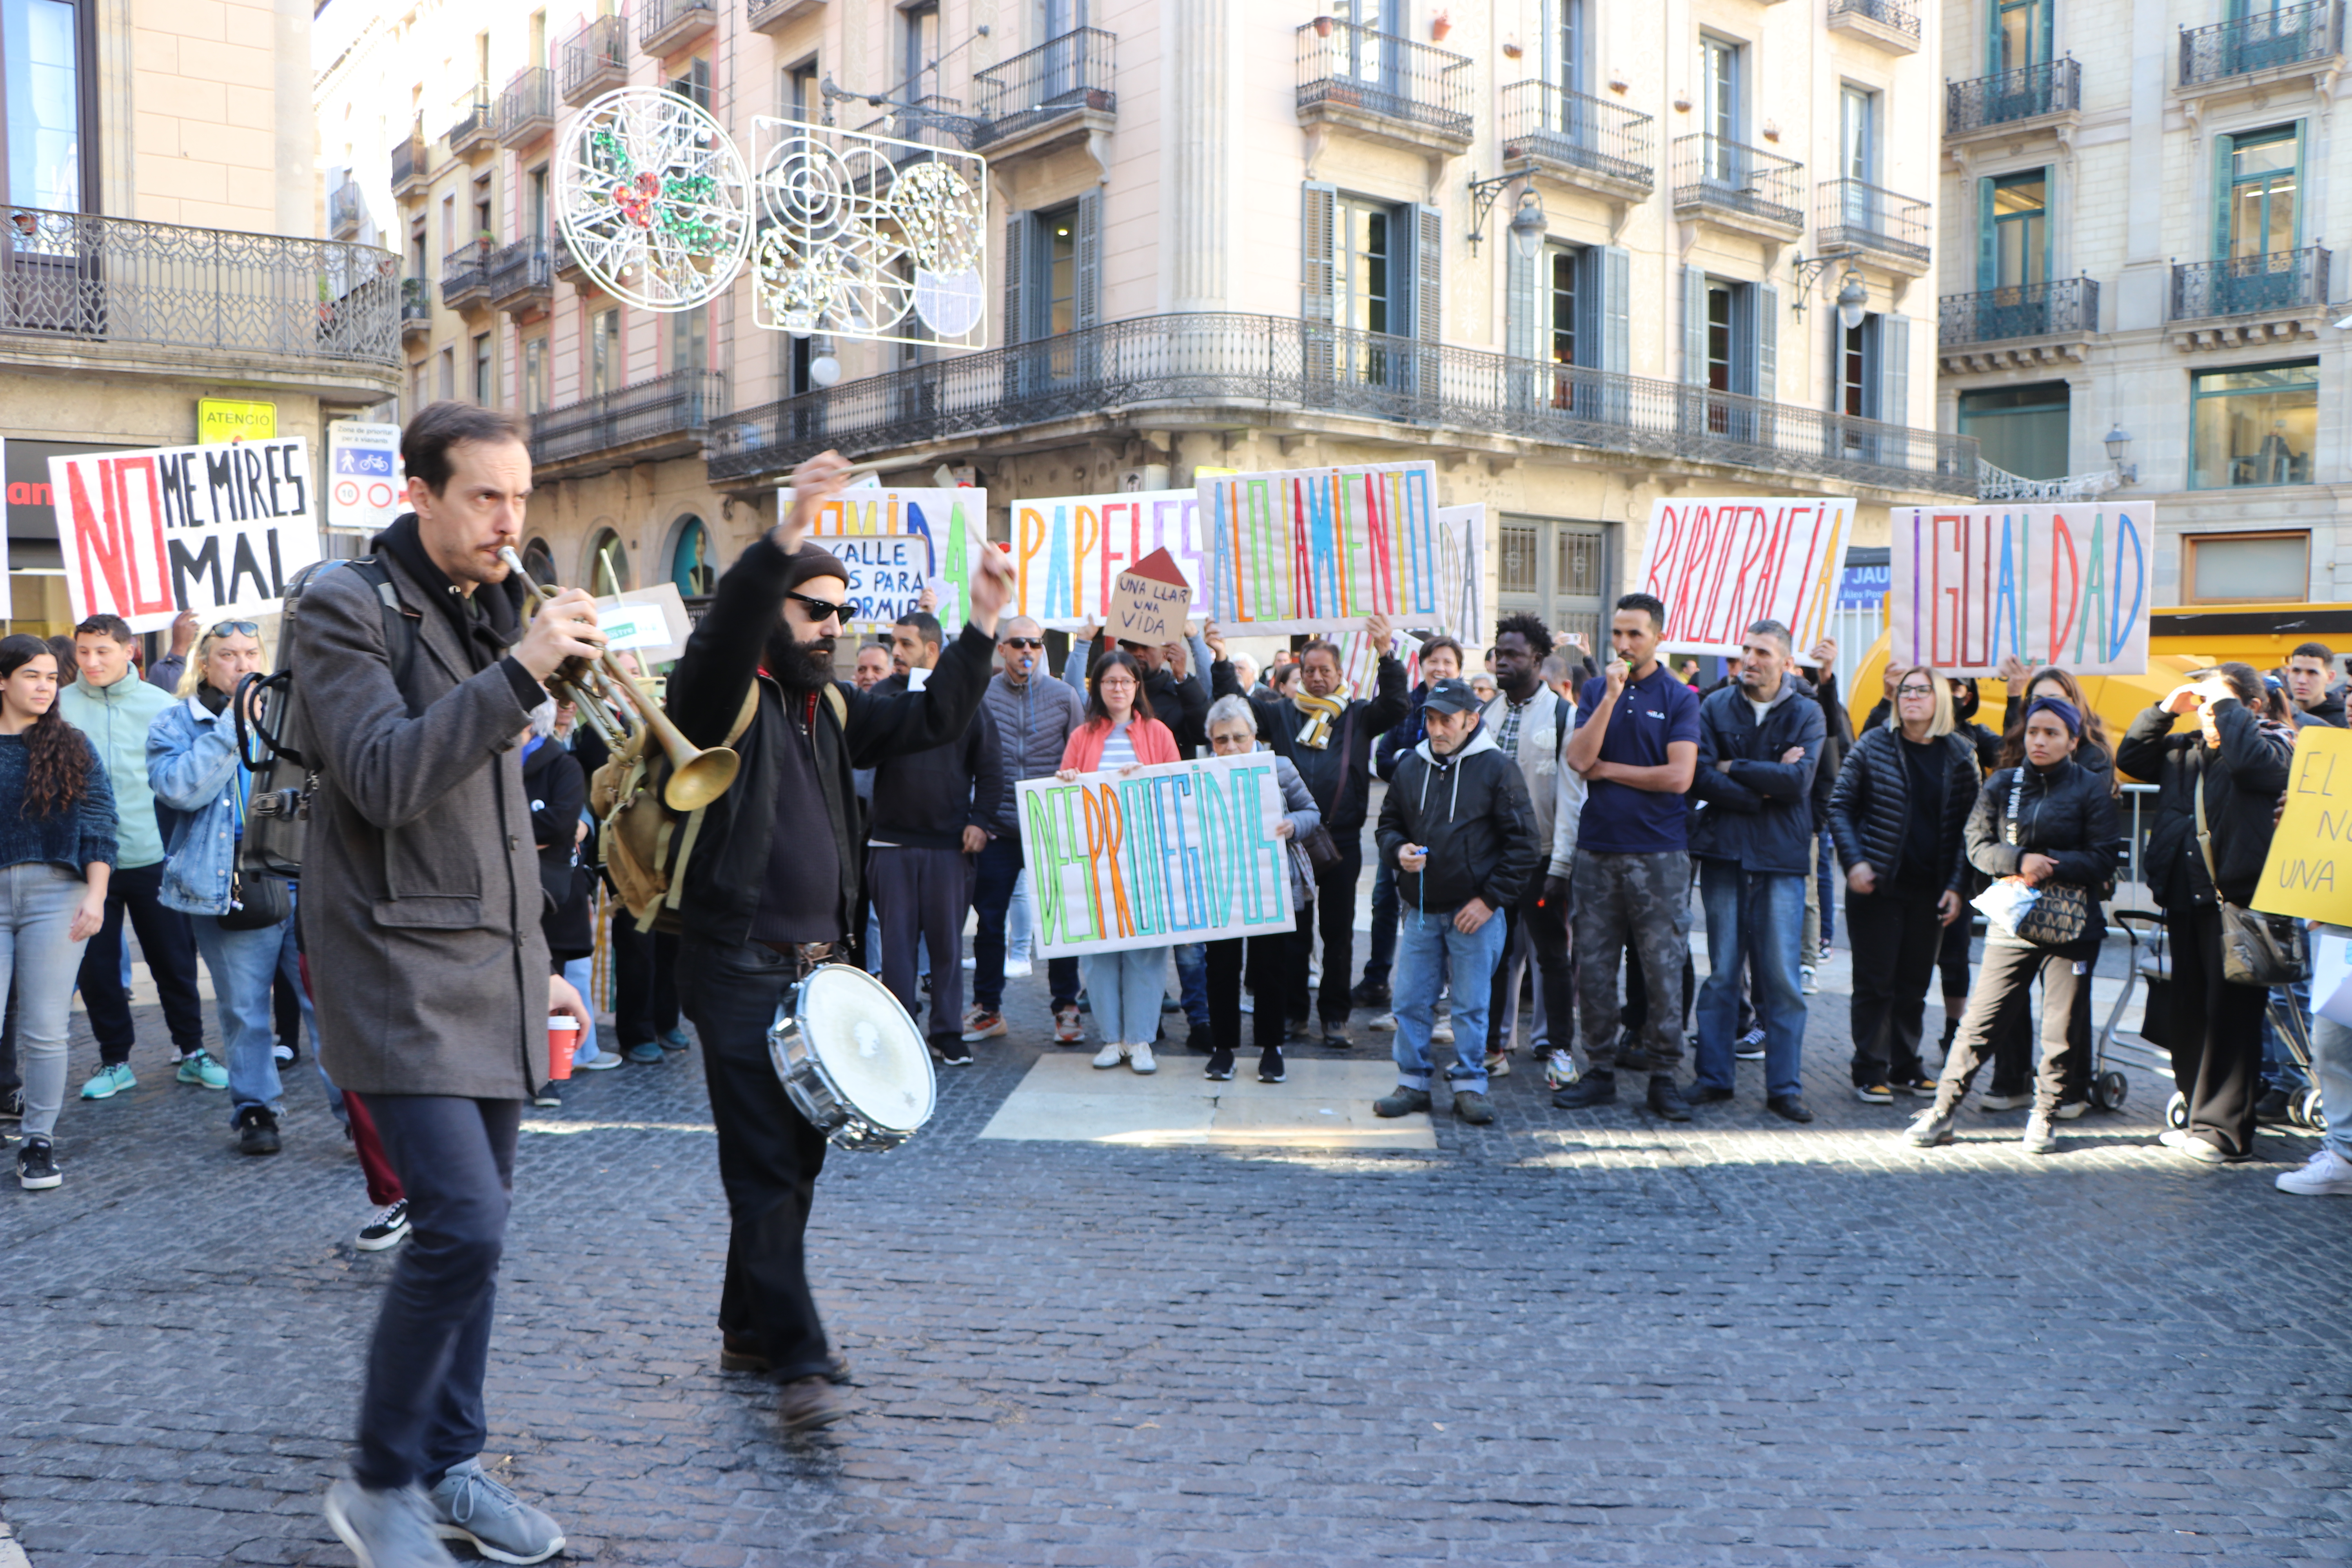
[1606,139]
[2024,311]
[2249,285]
[680,405]
[527,107]
[1267,364]
[111,280]
[346,210]
[1895,15]
[408,165]
[1857,216]
[774,15]
[2265,40]
[415,305]
[2053,87]
[664,24]
[594,59]
[520,275]
[474,124]
[1068,75]
[1344,66]
[1713,173]
[465,275]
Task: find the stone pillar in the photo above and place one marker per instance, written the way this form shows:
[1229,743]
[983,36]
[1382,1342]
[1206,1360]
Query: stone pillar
[1196,86]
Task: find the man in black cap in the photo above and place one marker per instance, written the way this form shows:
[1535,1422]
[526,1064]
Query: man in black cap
[772,888]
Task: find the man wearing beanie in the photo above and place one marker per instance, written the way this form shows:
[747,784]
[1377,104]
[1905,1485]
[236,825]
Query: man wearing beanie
[771,890]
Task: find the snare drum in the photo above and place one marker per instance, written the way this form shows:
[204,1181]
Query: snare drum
[852,1061]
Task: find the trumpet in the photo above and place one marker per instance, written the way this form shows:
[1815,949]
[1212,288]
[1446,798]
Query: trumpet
[697,777]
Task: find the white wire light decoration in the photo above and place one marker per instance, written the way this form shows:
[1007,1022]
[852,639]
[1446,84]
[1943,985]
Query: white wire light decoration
[654,199]
[868,236]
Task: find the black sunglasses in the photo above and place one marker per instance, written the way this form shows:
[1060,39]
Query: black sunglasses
[820,609]
[1022,642]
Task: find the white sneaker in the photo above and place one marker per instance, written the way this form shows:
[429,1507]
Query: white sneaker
[1140,1059]
[2173,1138]
[1017,968]
[2327,1175]
[1443,1031]
[1559,1069]
[1806,981]
[1110,1056]
[1383,1024]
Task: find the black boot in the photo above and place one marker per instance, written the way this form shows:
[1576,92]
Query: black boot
[1666,1099]
[1593,1089]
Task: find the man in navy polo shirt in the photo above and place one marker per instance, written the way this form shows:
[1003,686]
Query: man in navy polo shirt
[1636,745]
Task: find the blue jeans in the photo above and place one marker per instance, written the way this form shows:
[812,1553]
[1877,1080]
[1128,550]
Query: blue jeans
[1766,911]
[1125,988]
[36,908]
[2331,1065]
[1192,982]
[1825,869]
[241,964]
[2279,1070]
[1427,948]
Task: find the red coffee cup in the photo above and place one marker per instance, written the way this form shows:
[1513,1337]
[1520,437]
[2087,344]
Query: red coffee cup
[563,1040]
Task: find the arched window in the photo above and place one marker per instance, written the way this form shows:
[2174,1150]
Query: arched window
[539,562]
[689,559]
[605,568]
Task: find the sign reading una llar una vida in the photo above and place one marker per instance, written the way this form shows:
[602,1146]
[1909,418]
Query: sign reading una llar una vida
[1177,852]
[1722,563]
[2066,584]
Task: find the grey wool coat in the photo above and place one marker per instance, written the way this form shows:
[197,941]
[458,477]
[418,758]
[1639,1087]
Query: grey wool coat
[420,896]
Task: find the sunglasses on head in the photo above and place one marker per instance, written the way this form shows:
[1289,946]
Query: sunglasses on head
[234,629]
[819,609]
[1022,642]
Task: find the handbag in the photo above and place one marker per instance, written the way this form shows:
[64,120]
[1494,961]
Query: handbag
[256,901]
[1322,850]
[2060,913]
[2257,949]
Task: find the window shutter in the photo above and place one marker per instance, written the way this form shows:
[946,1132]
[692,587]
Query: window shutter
[1525,316]
[1086,306]
[1695,325]
[2302,148]
[1318,249]
[1616,309]
[2223,146]
[1768,341]
[1895,369]
[2049,226]
[1017,324]
[1988,251]
[1429,268]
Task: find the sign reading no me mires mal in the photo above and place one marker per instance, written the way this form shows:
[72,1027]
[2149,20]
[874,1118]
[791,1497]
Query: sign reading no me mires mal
[1178,852]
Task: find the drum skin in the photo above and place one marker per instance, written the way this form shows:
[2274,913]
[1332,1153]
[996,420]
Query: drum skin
[852,1061]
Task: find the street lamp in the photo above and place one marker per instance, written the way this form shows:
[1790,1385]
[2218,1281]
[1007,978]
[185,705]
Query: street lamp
[2118,442]
[1528,224]
[1853,299]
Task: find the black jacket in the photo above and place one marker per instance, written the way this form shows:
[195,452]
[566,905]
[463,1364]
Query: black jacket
[1758,814]
[1870,808]
[1470,812]
[2328,711]
[1402,736]
[2067,813]
[558,790]
[1347,759]
[721,661]
[2244,778]
[924,800]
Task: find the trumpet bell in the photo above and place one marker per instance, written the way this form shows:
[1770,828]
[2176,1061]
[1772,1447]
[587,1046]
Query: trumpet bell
[701,779]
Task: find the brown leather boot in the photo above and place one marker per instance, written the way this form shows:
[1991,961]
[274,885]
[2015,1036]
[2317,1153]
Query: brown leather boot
[806,1403]
[745,1355]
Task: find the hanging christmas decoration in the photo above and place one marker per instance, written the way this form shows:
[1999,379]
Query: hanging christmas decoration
[654,199]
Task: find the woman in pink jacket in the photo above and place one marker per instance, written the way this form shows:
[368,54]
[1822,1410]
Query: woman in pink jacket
[1119,736]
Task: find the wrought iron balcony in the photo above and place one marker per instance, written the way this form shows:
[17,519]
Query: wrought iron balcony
[415,306]
[466,276]
[671,417]
[2249,285]
[1855,217]
[1363,78]
[663,27]
[527,107]
[1261,364]
[566,265]
[1891,23]
[1058,81]
[121,289]
[346,210]
[1574,134]
[521,276]
[475,124]
[594,60]
[409,168]
[930,120]
[1746,186]
[2023,311]
[2053,87]
[772,16]
[2291,36]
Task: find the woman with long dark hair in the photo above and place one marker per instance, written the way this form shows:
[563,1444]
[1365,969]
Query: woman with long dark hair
[57,850]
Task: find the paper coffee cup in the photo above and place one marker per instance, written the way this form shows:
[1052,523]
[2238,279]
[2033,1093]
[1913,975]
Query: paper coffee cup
[563,1040]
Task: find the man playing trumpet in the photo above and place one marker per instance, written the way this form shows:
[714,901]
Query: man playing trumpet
[773,889]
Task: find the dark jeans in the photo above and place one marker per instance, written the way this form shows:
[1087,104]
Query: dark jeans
[769,1155]
[1952,957]
[1335,913]
[1384,927]
[2004,989]
[1894,939]
[921,896]
[645,982]
[1262,960]
[992,895]
[2216,1033]
[170,950]
[422,1412]
[1546,923]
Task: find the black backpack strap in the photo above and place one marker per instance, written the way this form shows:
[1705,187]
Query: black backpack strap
[399,629]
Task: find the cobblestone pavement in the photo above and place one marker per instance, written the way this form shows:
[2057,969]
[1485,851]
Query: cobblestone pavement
[1585,1337]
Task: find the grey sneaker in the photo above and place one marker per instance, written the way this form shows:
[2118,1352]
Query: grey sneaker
[2041,1137]
[1472,1107]
[1929,1129]
[385,1528]
[1403,1102]
[472,1506]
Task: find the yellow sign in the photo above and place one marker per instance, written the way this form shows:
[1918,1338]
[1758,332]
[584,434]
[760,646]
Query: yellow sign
[220,420]
[2309,872]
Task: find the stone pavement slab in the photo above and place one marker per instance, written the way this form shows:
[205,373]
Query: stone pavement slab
[1318,1105]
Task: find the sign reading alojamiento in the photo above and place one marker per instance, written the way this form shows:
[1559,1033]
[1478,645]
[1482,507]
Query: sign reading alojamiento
[1178,852]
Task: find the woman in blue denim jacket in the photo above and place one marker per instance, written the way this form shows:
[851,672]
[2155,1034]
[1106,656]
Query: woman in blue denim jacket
[201,788]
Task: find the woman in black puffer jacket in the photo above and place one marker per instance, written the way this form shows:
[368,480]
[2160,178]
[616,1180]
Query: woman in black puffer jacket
[2216,1028]
[2051,823]
[1896,812]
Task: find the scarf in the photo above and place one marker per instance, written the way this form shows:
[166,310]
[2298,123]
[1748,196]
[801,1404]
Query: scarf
[1321,712]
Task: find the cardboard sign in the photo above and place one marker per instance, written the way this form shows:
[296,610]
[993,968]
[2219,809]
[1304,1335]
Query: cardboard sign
[2309,870]
[1178,852]
[1067,551]
[1462,574]
[1310,550]
[216,530]
[887,573]
[1722,563]
[953,525]
[1149,602]
[366,485]
[651,622]
[2067,584]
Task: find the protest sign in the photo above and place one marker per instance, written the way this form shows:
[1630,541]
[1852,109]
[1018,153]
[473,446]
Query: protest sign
[2067,584]
[887,572]
[650,622]
[1149,602]
[1722,563]
[1178,852]
[1462,574]
[953,525]
[366,487]
[214,528]
[1313,549]
[2308,871]
[1068,551]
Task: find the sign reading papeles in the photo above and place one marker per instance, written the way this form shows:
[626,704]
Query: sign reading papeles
[1180,852]
[1068,551]
[1722,563]
[2066,584]
[2309,870]
[1313,549]
[951,524]
[211,528]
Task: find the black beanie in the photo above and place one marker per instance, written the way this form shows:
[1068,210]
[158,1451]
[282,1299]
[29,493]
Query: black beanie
[812,560]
